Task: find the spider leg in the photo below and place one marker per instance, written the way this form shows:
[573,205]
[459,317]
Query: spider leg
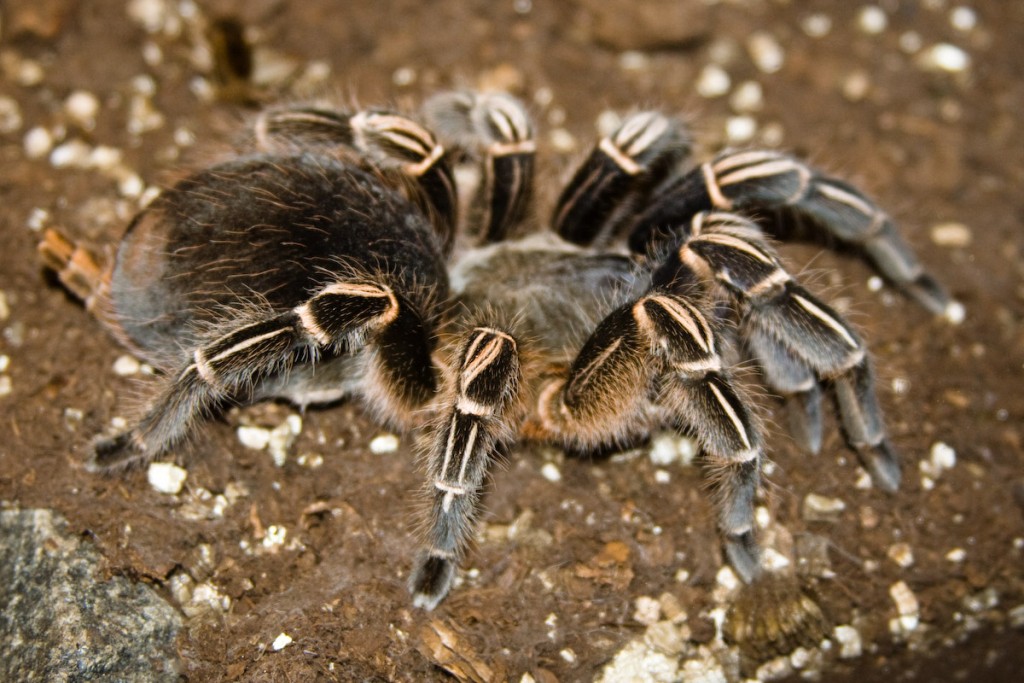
[82,273]
[797,339]
[749,181]
[342,316]
[621,169]
[477,420]
[496,129]
[662,343]
[387,140]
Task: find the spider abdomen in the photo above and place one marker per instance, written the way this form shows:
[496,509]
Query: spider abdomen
[264,232]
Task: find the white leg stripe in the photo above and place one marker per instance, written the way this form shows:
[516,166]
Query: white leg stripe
[628,166]
[468,406]
[501,149]
[731,412]
[715,192]
[768,168]
[844,197]
[689,318]
[420,167]
[829,321]
[310,325]
[201,359]
[737,244]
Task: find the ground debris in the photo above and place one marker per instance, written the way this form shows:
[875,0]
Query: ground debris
[445,647]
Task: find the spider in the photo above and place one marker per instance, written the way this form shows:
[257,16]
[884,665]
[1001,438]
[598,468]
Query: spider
[329,261]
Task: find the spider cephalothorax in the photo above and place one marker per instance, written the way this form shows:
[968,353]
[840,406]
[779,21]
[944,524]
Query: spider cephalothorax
[329,261]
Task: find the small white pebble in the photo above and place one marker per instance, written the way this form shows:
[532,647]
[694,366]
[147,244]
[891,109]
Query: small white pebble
[945,57]
[904,598]
[726,578]
[773,561]
[747,97]
[608,121]
[900,385]
[951,235]
[963,18]
[543,96]
[29,73]
[568,655]
[633,60]
[766,52]
[551,472]
[281,642]
[37,219]
[105,157]
[127,365]
[72,154]
[38,142]
[942,455]
[253,437]
[956,555]
[856,85]
[152,54]
[817,507]
[5,362]
[10,115]
[403,76]
[713,81]
[901,554]
[955,312]
[6,387]
[166,477]
[647,610]
[911,42]
[682,576]
[81,107]
[872,20]
[385,443]
[1017,616]
[562,140]
[275,536]
[740,129]
[816,25]
[662,476]
[850,643]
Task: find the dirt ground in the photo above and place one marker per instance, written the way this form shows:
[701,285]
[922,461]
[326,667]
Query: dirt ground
[564,572]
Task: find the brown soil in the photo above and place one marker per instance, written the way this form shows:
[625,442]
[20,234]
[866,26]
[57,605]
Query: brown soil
[933,147]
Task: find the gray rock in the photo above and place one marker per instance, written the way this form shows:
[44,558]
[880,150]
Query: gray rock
[60,622]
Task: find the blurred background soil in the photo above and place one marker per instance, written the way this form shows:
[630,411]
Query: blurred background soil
[919,103]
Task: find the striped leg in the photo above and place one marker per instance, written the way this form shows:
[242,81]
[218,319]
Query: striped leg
[495,130]
[798,340]
[759,180]
[621,169]
[663,342]
[478,420]
[342,316]
[384,139]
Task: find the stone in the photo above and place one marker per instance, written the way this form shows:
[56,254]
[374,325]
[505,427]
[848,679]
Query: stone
[61,620]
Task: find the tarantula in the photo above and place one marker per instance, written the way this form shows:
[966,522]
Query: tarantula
[329,262]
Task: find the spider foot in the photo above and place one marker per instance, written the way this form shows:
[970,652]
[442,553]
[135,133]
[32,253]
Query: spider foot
[744,555]
[431,580]
[772,617]
[119,452]
[805,419]
[883,464]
